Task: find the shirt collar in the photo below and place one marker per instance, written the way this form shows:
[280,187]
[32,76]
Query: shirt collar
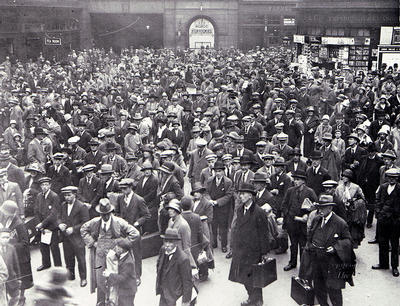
[328,217]
[171,252]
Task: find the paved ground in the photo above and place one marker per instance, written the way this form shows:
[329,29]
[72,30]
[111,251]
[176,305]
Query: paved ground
[371,287]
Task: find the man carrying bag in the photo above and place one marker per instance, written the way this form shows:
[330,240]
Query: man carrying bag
[249,245]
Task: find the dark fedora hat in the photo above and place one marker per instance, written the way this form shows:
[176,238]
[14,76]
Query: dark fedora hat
[245,159]
[246,187]
[299,174]
[40,131]
[104,206]
[260,177]
[316,155]
[197,187]
[171,234]
[280,161]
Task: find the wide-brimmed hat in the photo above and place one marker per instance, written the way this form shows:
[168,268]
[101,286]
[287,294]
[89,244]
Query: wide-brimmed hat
[325,200]
[34,167]
[246,160]
[171,234]
[197,187]
[260,177]
[280,162]
[299,174]
[246,187]
[106,169]
[354,136]
[104,206]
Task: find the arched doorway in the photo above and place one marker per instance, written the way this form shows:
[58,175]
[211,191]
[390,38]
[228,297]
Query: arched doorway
[201,34]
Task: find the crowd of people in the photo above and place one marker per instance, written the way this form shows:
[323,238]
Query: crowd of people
[239,150]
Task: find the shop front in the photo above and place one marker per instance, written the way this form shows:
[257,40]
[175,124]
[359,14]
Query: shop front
[389,47]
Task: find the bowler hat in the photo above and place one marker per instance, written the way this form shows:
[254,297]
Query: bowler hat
[316,155]
[171,234]
[219,165]
[104,206]
[246,187]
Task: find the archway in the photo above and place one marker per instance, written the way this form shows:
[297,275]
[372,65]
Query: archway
[201,33]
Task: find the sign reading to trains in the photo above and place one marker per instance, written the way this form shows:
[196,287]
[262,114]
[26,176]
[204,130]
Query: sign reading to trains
[52,41]
[201,34]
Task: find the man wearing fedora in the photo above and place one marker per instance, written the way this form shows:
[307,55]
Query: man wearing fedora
[94,156]
[388,221]
[331,159]
[118,163]
[316,174]
[295,217]
[295,163]
[147,188]
[353,155]
[108,182]
[101,234]
[35,151]
[329,245]
[174,273]
[132,208]
[197,161]
[73,214]
[249,243]
[11,191]
[280,182]
[47,208]
[220,192]
[168,182]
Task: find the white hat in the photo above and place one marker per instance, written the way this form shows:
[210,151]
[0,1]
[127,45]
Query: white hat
[73,139]
[67,117]
[201,142]
[325,117]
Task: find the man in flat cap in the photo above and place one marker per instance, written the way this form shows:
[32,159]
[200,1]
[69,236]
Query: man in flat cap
[89,189]
[73,214]
[47,208]
[59,174]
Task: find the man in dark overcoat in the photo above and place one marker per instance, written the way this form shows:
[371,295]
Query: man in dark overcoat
[330,248]
[249,243]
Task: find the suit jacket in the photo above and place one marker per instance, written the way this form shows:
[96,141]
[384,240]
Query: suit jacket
[59,179]
[349,157]
[171,135]
[16,175]
[291,204]
[20,240]
[386,145]
[197,163]
[238,178]
[47,210]
[78,216]
[265,197]
[251,137]
[284,151]
[66,133]
[205,209]
[13,193]
[387,205]
[301,165]
[112,187]
[125,279]
[174,278]
[281,182]
[226,200]
[90,193]
[186,235]
[83,142]
[196,232]
[205,174]
[149,191]
[293,130]
[314,180]
[172,185]
[136,211]
[119,164]
[97,159]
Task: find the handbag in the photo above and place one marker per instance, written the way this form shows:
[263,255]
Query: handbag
[302,293]
[202,258]
[264,273]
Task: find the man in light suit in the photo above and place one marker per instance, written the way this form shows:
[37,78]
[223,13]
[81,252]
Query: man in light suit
[73,214]
[132,208]
[220,192]
[174,273]
[36,151]
[10,191]
[14,173]
[198,160]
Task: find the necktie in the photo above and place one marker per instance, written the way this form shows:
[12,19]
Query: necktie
[258,194]
[105,227]
[323,222]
